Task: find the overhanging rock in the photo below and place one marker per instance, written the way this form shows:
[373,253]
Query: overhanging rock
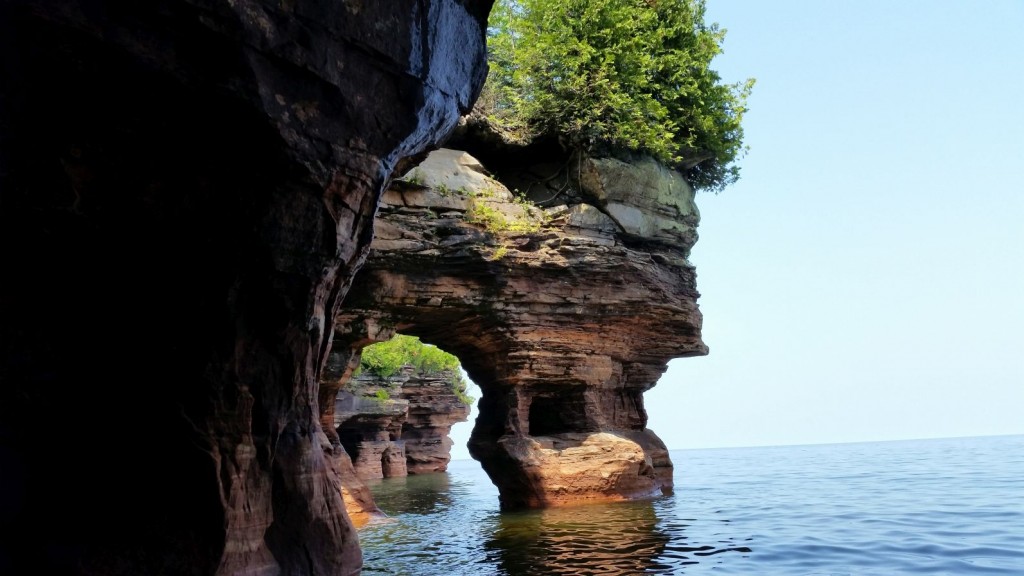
[563,316]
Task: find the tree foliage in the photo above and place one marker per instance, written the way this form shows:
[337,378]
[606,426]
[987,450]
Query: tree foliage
[385,359]
[622,74]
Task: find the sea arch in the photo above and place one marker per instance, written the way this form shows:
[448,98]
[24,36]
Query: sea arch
[563,316]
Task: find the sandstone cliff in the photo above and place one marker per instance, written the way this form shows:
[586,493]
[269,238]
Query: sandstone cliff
[563,315]
[398,425]
[187,188]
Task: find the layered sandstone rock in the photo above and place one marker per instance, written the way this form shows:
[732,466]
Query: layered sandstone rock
[400,425]
[433,409]
[563,316]
[370,430]
[188,188]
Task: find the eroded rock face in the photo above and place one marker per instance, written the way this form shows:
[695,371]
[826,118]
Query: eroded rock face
[562,316]
[370,430]
[403,430]
[433,409]
[188,188]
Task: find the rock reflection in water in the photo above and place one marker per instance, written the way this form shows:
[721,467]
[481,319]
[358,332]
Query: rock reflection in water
[620,538]
[417,494]
[442,525]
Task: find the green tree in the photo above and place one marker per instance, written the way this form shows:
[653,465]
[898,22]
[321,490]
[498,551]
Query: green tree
[385,359]
[630,75]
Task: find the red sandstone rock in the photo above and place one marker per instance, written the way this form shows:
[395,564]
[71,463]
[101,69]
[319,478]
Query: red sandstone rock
[563,317]
[405,433]
[433,409]
[188,188]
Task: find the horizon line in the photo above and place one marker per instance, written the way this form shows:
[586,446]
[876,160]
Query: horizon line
[914,439]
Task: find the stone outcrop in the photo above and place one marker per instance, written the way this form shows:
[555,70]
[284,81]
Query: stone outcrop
[396,426]
[370,430]
[433,409]
[188,188]
[563,315]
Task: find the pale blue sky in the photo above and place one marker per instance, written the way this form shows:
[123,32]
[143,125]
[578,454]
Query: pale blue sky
[864,280]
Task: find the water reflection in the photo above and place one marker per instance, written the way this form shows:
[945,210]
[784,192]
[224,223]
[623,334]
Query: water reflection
[615,539]
[784,510]
[451,526]
[417,494]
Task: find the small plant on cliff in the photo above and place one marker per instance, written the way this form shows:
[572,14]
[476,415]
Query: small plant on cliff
[500,252]
[414,177]
[488,217]
[494,220]
[459,386]
[618,74]
[385,359]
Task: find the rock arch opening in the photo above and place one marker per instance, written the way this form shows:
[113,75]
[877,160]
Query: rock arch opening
[562,315]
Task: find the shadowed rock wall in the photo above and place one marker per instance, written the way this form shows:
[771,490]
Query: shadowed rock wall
[186,191]
[563,316]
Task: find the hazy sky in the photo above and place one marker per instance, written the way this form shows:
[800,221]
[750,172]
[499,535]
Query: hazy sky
[864,280]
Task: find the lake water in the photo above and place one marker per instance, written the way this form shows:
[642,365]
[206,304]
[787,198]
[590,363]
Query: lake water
[951,506]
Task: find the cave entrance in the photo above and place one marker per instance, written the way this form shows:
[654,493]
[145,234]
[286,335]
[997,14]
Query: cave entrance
[351,440]
[557,413]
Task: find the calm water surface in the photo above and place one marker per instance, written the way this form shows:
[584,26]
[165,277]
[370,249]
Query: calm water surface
[952,506]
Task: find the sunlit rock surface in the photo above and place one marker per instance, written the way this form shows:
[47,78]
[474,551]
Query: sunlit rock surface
[186,191]
[563,316]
